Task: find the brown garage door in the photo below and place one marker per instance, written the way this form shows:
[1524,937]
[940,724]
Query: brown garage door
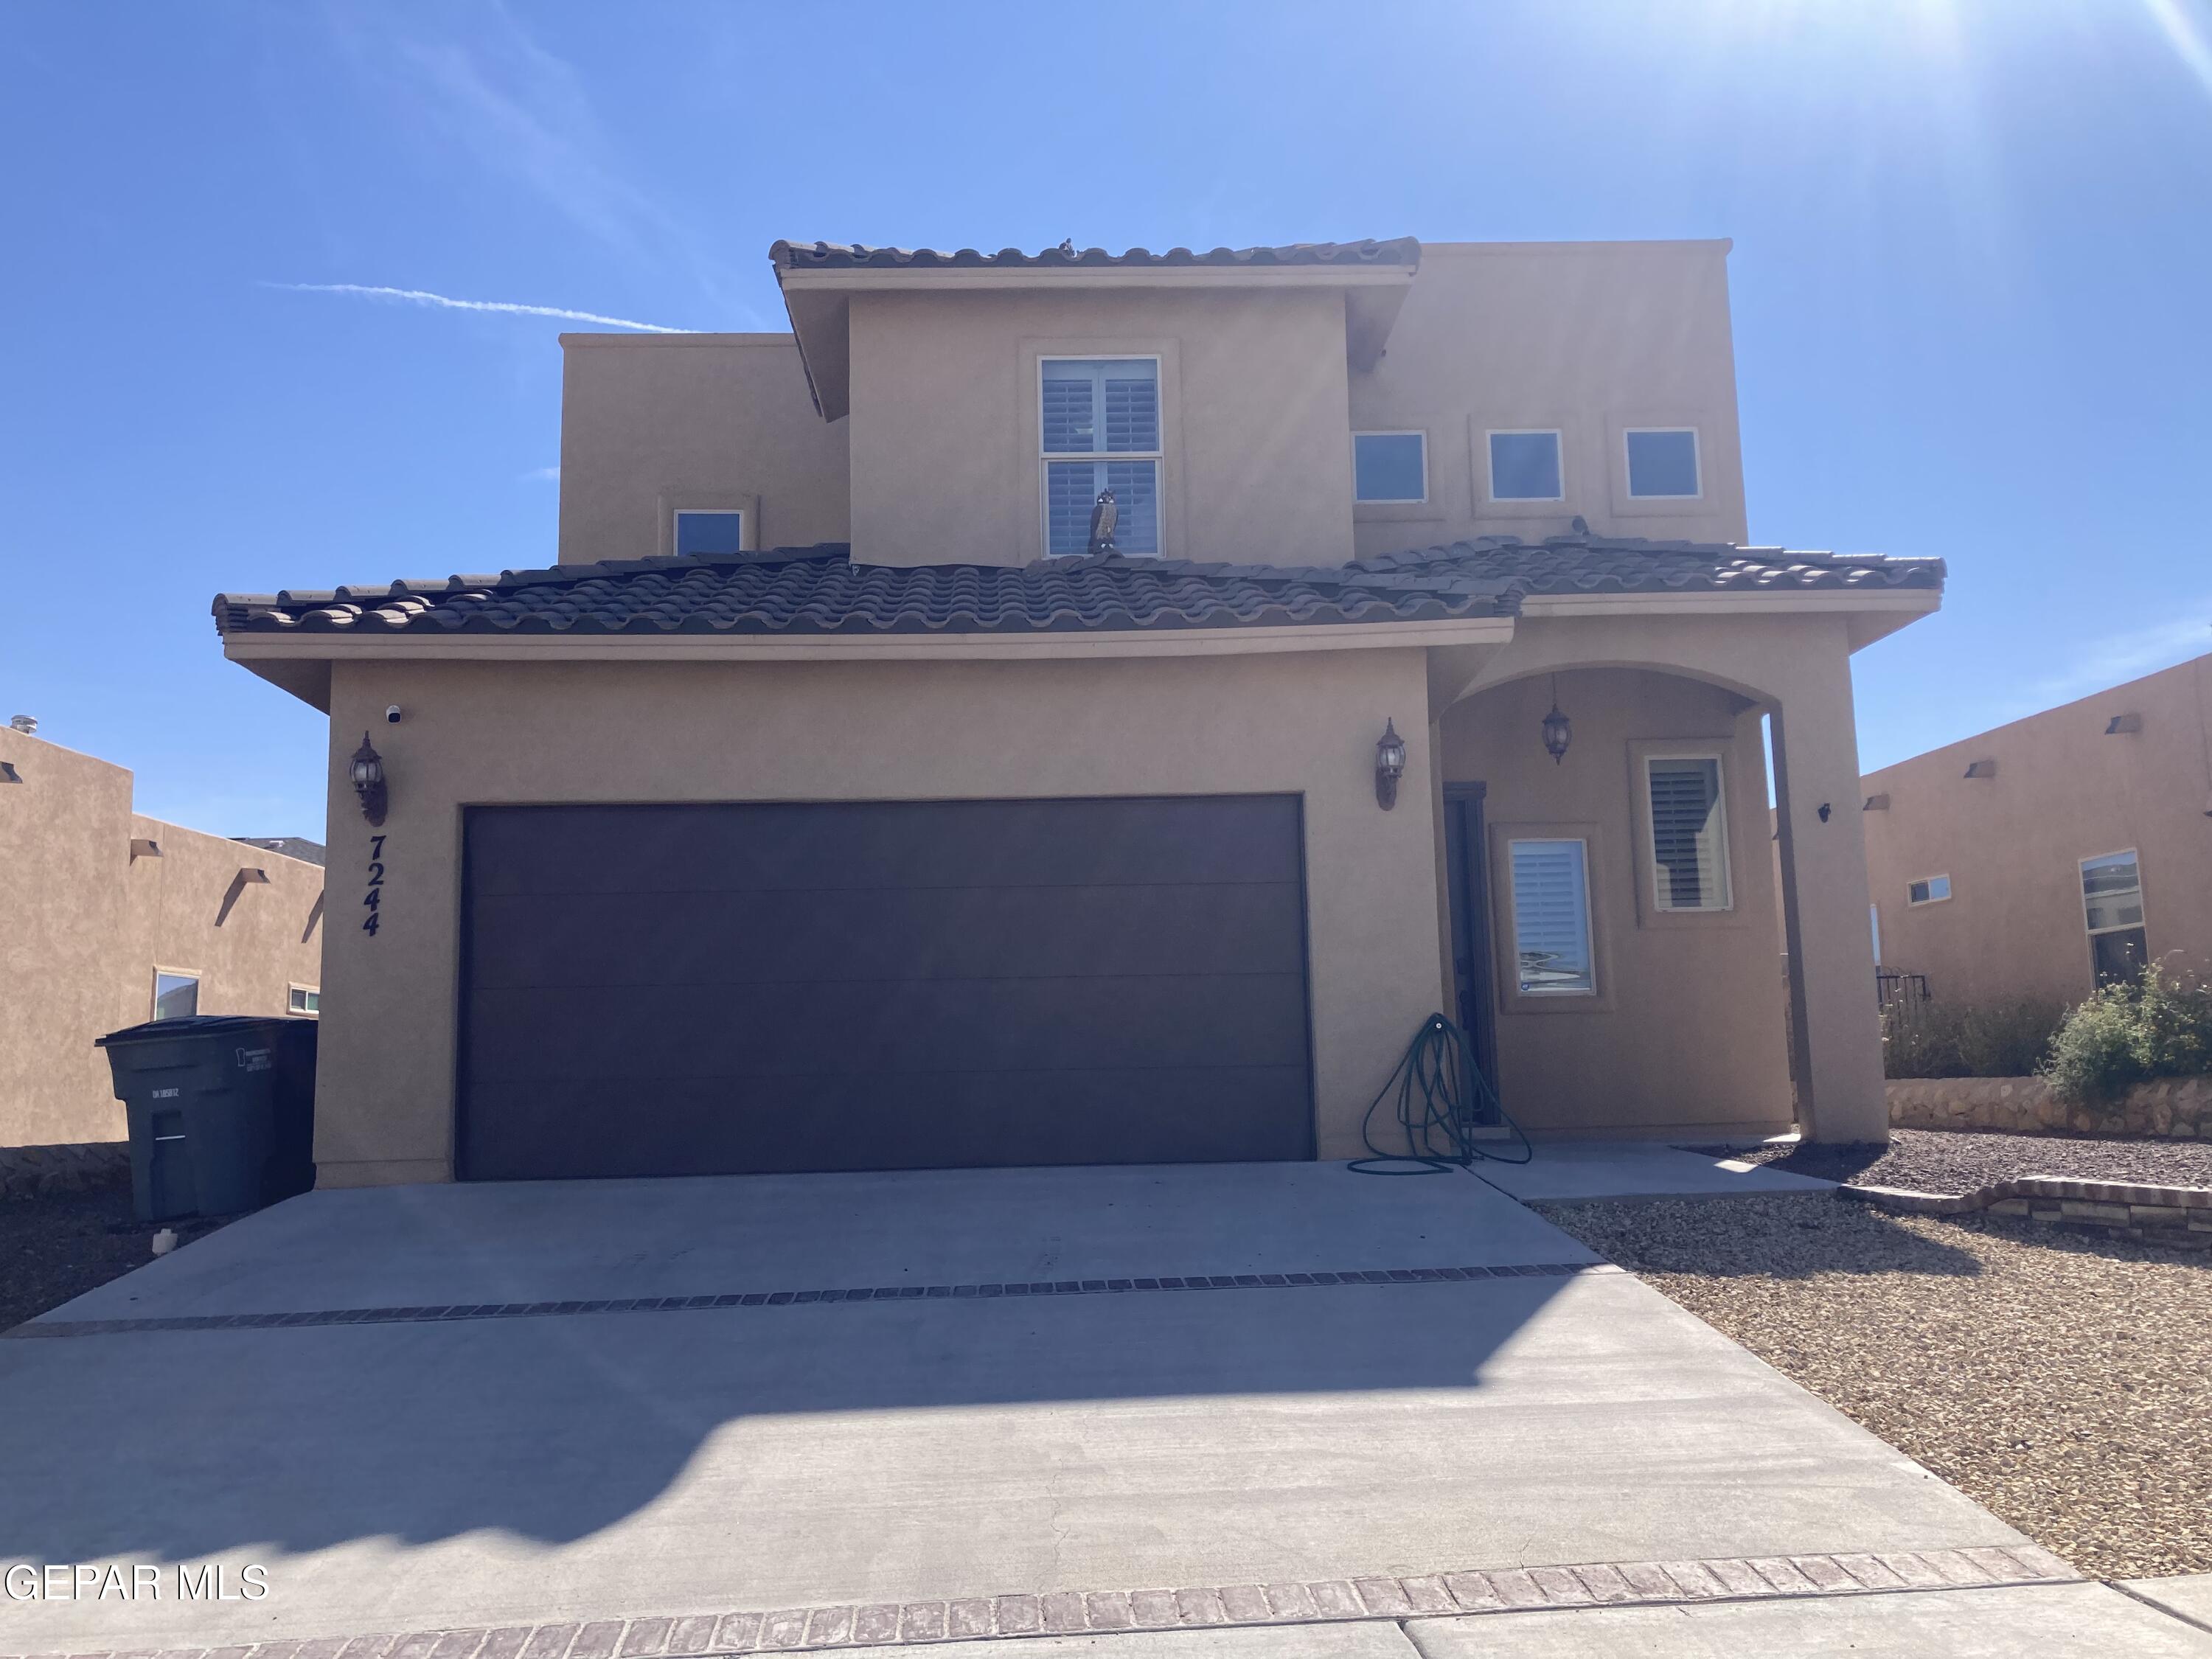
[711,989]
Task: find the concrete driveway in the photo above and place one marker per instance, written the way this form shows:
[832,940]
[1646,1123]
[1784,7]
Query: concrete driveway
[858,1408]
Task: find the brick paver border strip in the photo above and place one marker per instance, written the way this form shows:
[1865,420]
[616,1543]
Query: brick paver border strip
[796,1298]
[1442,1594]
[2163,1215]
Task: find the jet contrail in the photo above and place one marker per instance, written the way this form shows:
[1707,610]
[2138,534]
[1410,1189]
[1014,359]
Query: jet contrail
[416,296]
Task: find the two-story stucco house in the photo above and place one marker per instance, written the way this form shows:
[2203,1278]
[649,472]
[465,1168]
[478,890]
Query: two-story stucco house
[835,803]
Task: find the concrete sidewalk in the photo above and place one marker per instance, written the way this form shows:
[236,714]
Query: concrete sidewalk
[1567,1171]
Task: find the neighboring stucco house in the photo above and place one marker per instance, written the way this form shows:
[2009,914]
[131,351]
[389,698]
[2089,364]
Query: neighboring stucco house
[113,918]
[829,806]
[2047,855]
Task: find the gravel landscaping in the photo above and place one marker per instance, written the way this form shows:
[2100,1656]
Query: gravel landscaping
[59,1245]
[2064,1382]
[1950,1161]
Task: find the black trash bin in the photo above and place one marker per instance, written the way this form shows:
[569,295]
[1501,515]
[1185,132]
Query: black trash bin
[222,1109]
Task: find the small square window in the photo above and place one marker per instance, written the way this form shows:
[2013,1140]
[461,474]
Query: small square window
[176,996]
[709,532]
[1524,466]
[304,999]
[1928,891]
[1390,467]
[1663,462]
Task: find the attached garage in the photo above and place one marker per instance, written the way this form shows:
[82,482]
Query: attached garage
[727,988]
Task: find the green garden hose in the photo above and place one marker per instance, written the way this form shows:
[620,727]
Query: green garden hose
[1444,1099]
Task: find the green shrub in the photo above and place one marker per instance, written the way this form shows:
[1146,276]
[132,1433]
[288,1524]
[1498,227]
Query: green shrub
[2156,1024]
[2006,1039]
[1945,1039]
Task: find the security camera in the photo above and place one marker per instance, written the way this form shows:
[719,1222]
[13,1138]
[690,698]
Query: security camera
[392,713]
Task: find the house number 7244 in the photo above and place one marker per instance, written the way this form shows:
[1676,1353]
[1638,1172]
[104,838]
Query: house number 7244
[374,897]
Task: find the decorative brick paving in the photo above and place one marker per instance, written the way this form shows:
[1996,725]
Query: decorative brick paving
[795,1298]
[1446,1594]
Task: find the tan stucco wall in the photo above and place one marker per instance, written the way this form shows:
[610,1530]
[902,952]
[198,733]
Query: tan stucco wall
[944,388]
[87,925]
[938,461]
[652,422]
[1585,338]
[479,733]
[2013,844]
[1686,1026]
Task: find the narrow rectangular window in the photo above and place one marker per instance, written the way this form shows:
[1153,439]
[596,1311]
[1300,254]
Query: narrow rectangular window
[1663,462]
[1689,833]
[709,532]
[2113,905]
[1550,918]
[1524,466]
[1929,891]
[304,999]
[175,995]
[1099,427]
[1390,467]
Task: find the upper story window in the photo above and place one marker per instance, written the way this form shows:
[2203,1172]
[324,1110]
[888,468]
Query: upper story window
[1689,832]
[1100,422]
[1524,466]
[1390,467]
[714,531]
[1663,462]
[1928,889]
[304,999]
[2113,905]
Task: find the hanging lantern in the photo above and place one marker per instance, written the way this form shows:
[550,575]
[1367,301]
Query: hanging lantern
[1558,731]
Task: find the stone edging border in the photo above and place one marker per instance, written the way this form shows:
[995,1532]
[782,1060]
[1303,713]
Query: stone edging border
[2161,1215]
[1067,1613]
[61,1327]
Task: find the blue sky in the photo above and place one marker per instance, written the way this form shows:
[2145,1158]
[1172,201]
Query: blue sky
[1973,248]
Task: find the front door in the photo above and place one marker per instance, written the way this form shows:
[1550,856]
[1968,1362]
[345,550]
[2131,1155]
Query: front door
[1469,899]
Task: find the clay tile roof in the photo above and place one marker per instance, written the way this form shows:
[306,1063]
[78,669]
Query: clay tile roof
[853,256]
[1620,564]
[820,590]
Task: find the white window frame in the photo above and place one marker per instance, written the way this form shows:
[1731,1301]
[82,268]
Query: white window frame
[1628,470]
[299,993]
[1420,500]
[2081,878]
[676,516]
[1157,456]
[154,987]
[1661,900]
[1559,438]
[1934,897]
[1513,909]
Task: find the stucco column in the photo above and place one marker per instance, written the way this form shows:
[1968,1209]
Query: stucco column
[1834,1028]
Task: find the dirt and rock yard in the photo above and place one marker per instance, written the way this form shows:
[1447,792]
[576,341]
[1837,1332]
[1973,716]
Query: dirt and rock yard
[58,1245]
[2064,1383]
[1948,1161]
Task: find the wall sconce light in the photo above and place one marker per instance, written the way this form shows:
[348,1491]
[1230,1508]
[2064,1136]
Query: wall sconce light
[1390,765]
[367,772]
[1559,730]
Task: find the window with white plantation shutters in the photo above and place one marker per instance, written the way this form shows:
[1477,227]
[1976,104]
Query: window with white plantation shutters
[1689,833]
[1099,421]
[1550,918]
